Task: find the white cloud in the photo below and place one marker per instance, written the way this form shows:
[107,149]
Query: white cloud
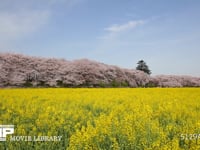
[124,27]
[15,25]
[117,29]
[22,17]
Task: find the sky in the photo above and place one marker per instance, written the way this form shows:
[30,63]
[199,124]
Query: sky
[163,33]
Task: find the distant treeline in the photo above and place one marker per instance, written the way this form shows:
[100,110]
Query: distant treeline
[25,71]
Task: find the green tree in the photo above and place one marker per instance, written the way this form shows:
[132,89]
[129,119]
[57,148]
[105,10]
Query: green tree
[143,67]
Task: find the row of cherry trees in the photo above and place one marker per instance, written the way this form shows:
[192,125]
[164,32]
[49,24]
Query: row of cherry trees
[22,71]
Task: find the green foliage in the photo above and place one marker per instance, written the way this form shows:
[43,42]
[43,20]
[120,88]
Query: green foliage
[43,84]
[28,84]
[142,66]
[151,84]
[59,83]
[114,83]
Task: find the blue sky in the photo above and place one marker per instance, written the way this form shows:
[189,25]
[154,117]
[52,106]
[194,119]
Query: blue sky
[164,33]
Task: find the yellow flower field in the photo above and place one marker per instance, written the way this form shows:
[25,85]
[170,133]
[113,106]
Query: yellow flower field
[125,119]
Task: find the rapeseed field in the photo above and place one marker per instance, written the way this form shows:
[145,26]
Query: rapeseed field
[93,119]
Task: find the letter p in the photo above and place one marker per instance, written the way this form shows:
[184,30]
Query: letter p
[5,130]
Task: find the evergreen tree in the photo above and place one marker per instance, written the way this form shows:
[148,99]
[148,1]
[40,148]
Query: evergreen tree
[143,67]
